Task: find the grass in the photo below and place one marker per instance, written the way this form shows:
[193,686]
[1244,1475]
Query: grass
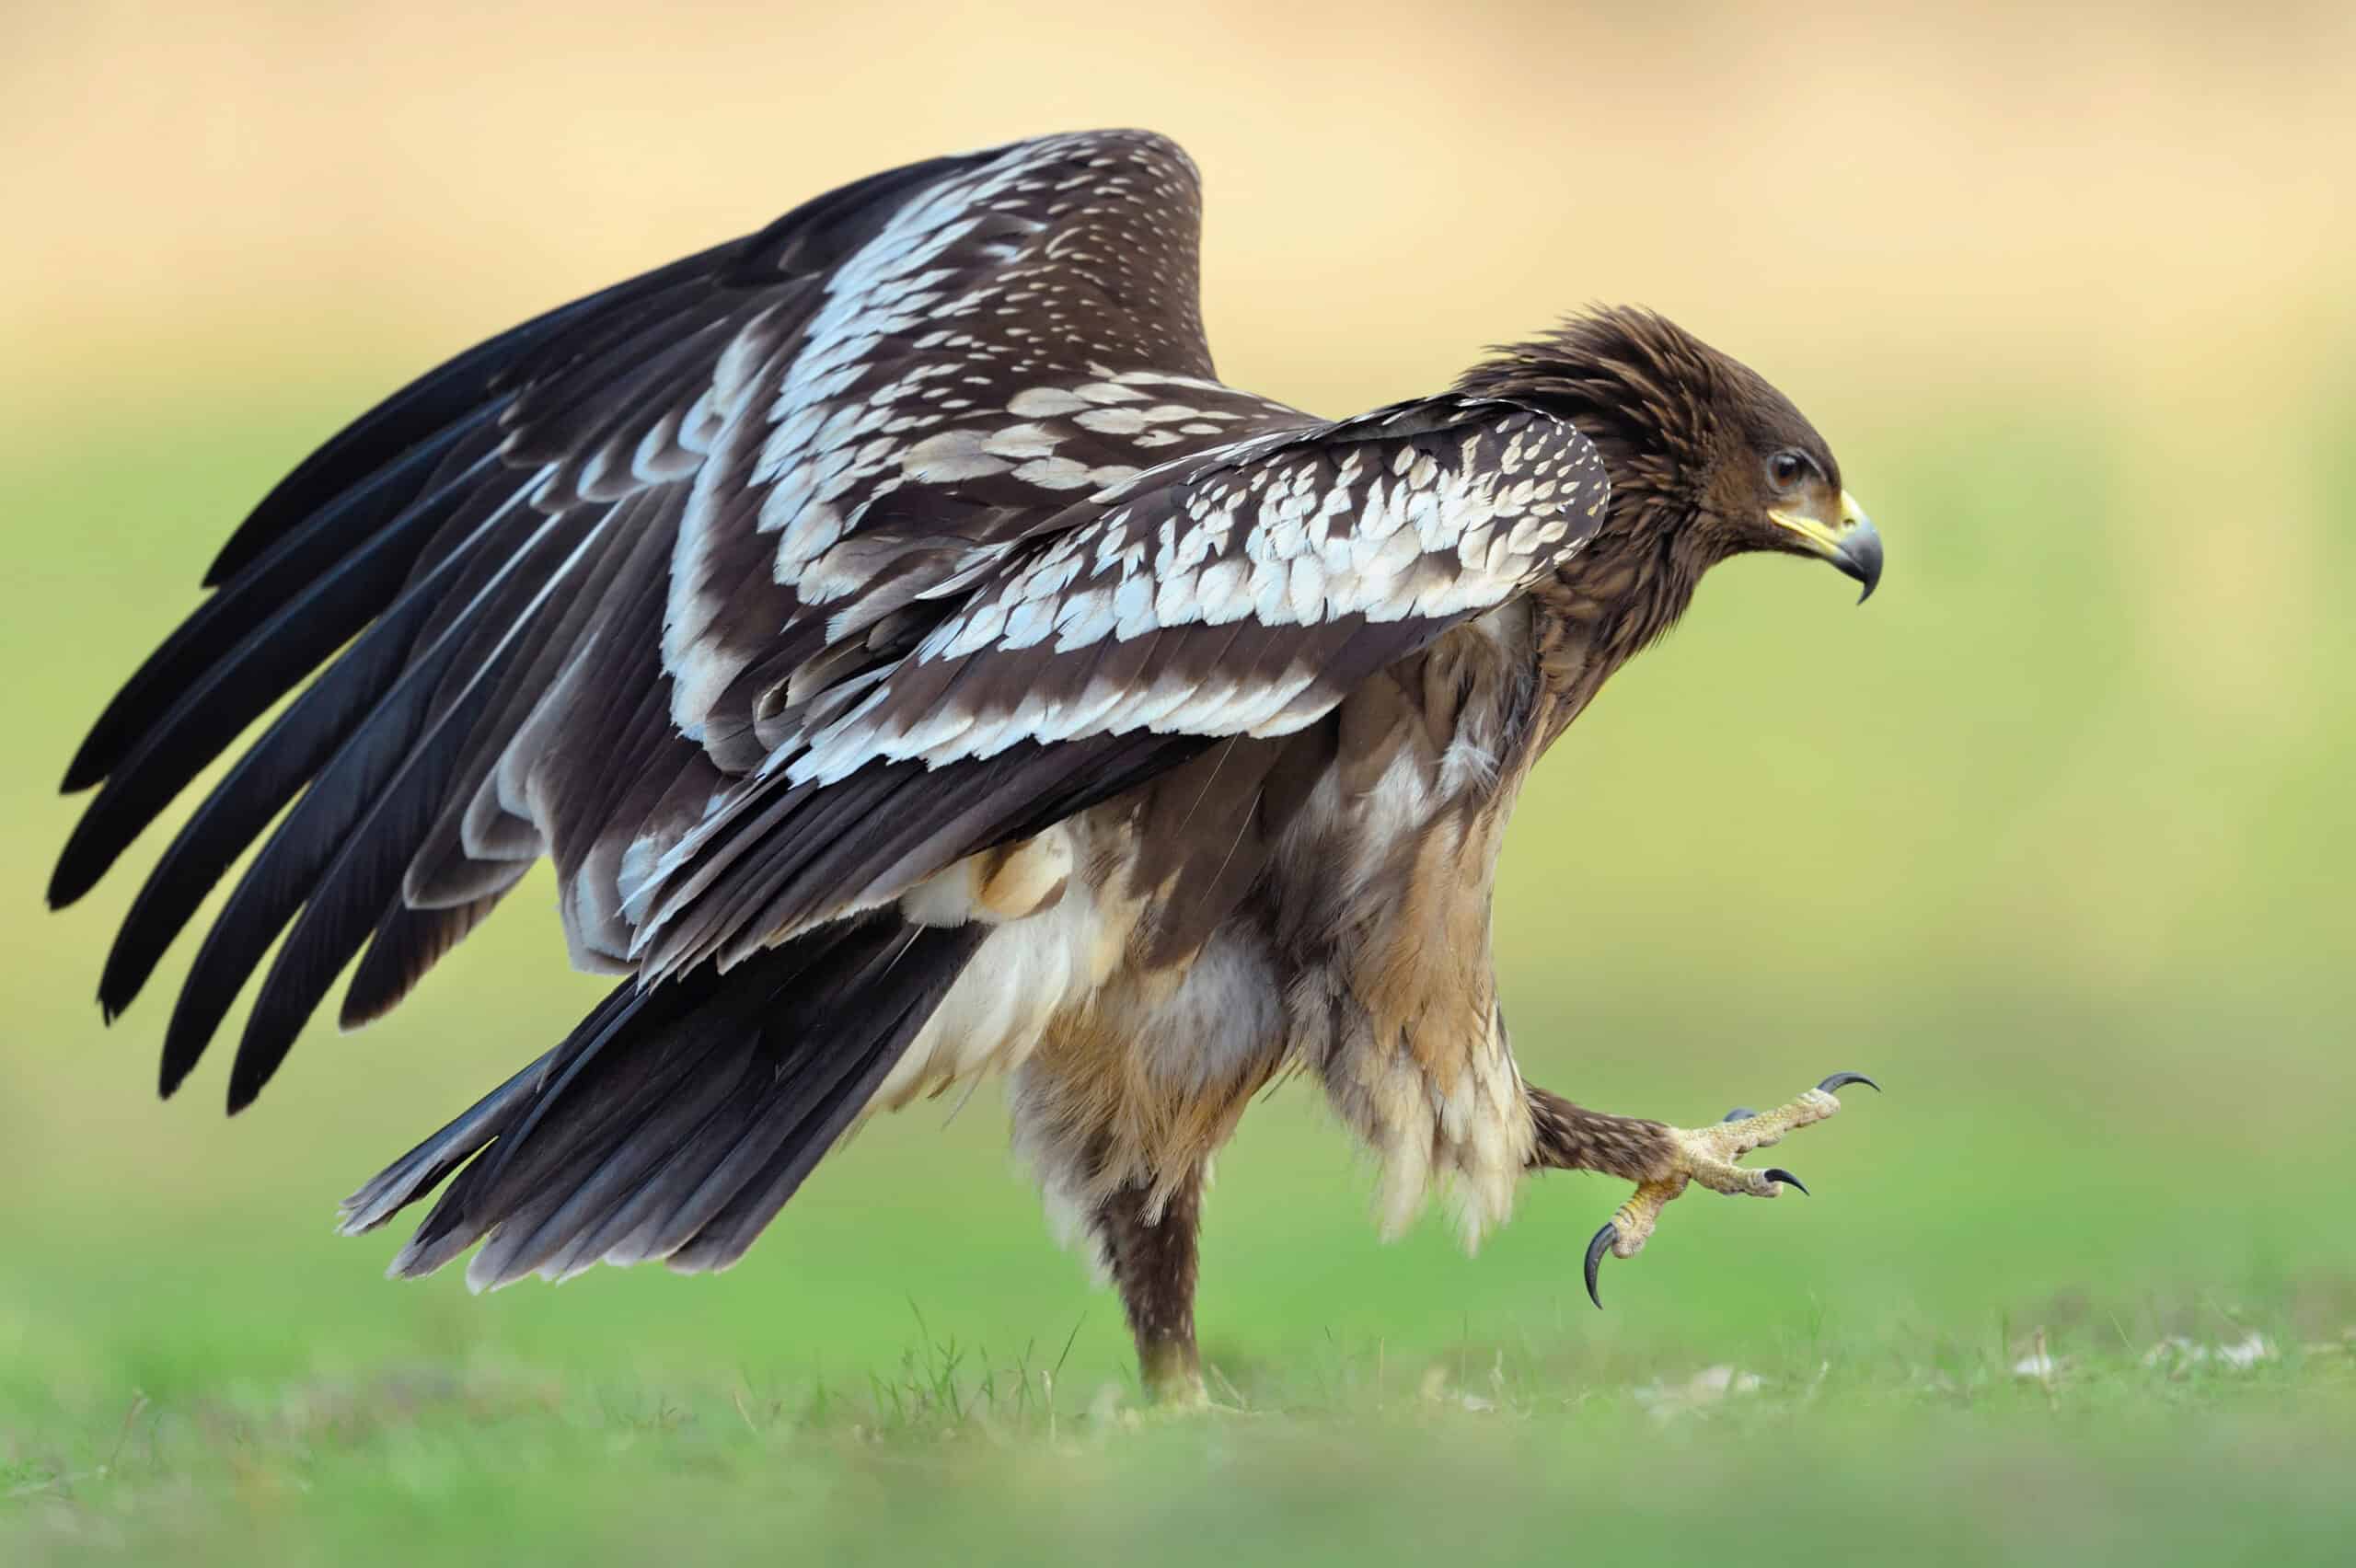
[1830,1451]
[1992,839]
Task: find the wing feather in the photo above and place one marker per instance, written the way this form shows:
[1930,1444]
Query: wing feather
[998,721]
[409,941]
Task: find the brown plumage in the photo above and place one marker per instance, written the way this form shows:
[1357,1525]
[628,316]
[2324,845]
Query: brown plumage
[918,666]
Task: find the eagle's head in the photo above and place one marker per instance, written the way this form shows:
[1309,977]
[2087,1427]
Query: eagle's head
[1706,459]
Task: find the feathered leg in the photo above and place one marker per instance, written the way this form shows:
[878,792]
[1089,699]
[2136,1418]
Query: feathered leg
[1121,1112]
[1152,1259]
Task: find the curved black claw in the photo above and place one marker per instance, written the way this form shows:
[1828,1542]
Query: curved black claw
[1595,1250]
[1838,1080]
[1737,1113]
[1777,1173]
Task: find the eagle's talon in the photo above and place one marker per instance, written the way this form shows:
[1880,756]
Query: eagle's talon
[1708,1157]
[1601,1243]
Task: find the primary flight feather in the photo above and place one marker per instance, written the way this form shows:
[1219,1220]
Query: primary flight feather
[918,664]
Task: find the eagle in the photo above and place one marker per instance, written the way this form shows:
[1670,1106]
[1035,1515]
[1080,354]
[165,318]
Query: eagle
[919,666]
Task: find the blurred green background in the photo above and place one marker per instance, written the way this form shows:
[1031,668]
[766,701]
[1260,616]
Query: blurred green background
[2053,838]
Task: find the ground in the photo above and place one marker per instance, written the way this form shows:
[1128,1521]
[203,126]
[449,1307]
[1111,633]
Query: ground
[1836,1380]
[1826,1440]
[2079,1287]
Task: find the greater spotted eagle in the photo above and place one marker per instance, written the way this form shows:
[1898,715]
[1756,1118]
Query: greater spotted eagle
[919,666]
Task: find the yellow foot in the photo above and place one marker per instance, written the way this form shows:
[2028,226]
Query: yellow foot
[1171,1373]
[1185,1396]
[1170,1411]
[1707,1155]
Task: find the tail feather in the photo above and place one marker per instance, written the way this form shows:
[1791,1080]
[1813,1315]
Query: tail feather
[676,1119]
[423,1168]
[719,1241]
[605,1168]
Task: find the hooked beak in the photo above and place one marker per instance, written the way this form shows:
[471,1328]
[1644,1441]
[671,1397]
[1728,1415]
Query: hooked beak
[1852,544]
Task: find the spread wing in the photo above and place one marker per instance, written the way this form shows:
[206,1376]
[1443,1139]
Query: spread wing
[566,569]
[755,589]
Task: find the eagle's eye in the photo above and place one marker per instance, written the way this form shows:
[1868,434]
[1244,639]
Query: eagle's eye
[1787,468]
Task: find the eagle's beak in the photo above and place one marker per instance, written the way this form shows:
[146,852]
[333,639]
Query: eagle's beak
[1852,545]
